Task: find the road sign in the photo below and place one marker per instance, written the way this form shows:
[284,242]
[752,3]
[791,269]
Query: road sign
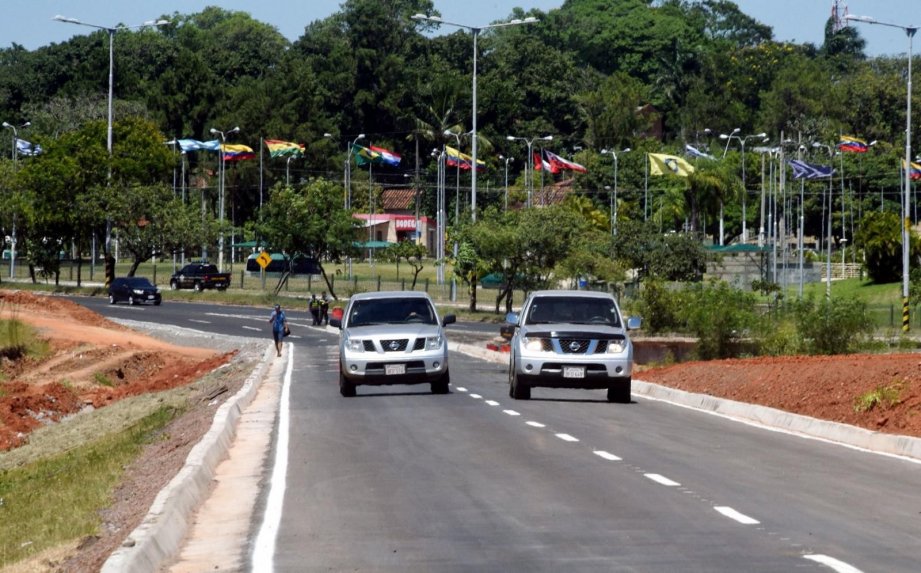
[264,259]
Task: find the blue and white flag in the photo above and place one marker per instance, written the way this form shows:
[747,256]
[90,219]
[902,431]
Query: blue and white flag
[694,152]
[195,145]
[26,148]
[803,170]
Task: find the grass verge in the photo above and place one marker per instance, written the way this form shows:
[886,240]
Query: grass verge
[55,500]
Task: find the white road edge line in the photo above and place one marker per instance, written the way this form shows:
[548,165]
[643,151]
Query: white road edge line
[264,552]
[250,328]
[606,456]
[199,321]
[735,515]
[535,424]
[660,479]
[567,438]
[492,402]
[839,566]
[511,412]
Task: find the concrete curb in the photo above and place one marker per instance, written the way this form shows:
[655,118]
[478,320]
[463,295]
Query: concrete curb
[772,418]
[160,534]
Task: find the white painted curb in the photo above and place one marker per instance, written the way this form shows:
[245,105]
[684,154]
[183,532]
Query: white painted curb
[160,534]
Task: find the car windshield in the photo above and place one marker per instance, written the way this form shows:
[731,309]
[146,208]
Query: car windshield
[573,310]
[138,282]
[391,311]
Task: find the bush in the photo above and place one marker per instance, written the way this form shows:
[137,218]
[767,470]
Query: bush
[720,315]
[659,307]
[837,326]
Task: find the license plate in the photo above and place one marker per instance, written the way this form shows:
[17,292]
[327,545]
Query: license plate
[573,372]
[391,369]
[150,297]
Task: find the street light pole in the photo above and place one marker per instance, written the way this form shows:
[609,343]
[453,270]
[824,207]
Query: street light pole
[13,235]
[910,32]
[110,267]
[529,163]
[222,167]
[507,159]
[742,140]
[475,32]
[613,153]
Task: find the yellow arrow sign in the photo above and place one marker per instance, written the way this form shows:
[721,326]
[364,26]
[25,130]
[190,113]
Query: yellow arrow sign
[264,259]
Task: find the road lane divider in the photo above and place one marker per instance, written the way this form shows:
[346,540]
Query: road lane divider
[736,516]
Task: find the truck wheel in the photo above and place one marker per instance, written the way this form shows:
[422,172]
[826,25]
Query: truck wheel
[620,391]
[197,287]
[174,285]
[346,388]
[131,300]
[440,386]
[111,299]
[516,389]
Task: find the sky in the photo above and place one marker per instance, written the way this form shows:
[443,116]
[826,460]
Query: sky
[29,22]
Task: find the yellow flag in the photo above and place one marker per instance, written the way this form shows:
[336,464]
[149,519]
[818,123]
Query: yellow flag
[661,164]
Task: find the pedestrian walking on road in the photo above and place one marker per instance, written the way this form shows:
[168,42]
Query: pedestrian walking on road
[324,309]
[279,327]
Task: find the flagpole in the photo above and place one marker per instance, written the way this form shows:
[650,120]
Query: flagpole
[645,187]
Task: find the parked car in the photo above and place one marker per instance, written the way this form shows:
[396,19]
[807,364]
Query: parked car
[392,338]
[199,276]
[571,339]
[135,290]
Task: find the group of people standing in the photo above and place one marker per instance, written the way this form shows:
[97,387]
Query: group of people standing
[319,310]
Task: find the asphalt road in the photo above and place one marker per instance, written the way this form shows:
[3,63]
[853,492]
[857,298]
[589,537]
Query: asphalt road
[399,479]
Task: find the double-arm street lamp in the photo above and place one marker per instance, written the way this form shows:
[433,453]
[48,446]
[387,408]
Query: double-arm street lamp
[475,32]
[529,161]
[220,246]
[910,32]
[613,153]
[742,140]
[14,154]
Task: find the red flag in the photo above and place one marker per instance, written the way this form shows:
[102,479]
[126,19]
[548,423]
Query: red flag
[543,164]
[563,164]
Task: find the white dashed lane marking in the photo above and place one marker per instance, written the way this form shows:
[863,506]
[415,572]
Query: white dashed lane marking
[535,424]
[251,328]
[492,402]
[200,321]
[839,566]
[475,396]
[606,456]
[567,438]
[660,479]
[511,412]
[461,389]
[735,515]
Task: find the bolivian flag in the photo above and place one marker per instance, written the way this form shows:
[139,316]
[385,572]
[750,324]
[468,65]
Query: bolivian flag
[661,164]
[278,148]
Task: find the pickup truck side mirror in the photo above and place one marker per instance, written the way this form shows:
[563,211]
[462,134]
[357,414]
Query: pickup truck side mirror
[512,318]
[634,323]
[448,319]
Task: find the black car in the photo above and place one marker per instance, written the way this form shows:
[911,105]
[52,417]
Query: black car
[135,290]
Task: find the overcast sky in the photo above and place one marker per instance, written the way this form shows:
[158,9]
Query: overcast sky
[29,23]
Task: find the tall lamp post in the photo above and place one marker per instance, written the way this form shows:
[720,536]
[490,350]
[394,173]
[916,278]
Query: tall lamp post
[742,140]
[456,137]
[110,268]
[475,32]
[13,235]
[613,153]
[220,245]
[506,159]
[910,32]
[529,161]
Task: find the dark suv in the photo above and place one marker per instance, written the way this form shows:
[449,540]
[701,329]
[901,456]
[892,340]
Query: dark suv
[135,290]
[571,339]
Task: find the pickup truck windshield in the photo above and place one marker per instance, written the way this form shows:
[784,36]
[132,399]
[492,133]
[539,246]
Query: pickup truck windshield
[391,311]
[573,310]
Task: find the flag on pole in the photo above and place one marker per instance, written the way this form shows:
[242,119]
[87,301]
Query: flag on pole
[692,151]
[462,160]
[236,152]
[803,170]
[195,145]
[387,157]
[852,144]
[364,156]
[661,164]
[915,172]
[278,148]
[563,164]
[27,148]
[542,164]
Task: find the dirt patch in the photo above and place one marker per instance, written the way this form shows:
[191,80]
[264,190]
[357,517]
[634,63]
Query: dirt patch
[880,392]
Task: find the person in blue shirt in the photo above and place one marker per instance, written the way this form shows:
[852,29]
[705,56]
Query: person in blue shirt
[279,325]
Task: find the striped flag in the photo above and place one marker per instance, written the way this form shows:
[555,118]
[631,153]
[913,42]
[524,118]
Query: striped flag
[278,148]
[852,144]
[462,160]
[236,152]
[803,170]
[195,145]
[915,172]
[387,157]
[27,148]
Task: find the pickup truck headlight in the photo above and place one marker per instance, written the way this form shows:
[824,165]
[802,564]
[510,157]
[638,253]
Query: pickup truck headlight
[433,342]
[532,344]
[616,346]
[354,345]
